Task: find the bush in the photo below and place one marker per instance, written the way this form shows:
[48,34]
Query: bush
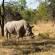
[44,35]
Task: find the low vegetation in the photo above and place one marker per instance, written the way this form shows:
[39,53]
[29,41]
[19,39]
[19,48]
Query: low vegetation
[43,19]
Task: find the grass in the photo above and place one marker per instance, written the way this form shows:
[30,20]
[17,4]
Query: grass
[45,30]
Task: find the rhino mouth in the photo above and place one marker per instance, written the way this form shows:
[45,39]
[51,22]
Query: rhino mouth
[32,35]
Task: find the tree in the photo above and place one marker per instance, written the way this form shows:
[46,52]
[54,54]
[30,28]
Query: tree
[42,10]
[52,6]
[2,20]
[12,11]
[22,3]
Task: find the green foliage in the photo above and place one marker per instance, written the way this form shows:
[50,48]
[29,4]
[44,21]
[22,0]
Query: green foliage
[32,16]
[22,3]
[52,7]
[45,10]
[11,7]
[27,14]
[42,10]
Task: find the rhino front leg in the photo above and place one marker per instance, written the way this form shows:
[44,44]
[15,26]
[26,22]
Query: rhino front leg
[17,35]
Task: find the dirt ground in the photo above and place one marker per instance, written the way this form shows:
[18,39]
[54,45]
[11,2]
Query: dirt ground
[4,51]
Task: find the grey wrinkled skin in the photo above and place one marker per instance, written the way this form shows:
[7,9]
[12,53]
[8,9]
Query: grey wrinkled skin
[19,28]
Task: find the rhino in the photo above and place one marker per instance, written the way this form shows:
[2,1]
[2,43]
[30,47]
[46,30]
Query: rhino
[19,28]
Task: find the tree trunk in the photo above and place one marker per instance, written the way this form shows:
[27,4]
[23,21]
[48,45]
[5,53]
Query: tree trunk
[2,20]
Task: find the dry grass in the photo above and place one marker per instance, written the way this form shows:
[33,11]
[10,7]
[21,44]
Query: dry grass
[45,27]
[6,51]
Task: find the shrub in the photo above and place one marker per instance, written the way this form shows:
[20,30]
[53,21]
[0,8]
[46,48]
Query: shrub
[44,35]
